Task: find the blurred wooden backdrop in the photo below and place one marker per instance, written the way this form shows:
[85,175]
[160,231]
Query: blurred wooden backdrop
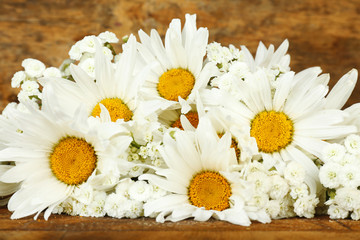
[322,33]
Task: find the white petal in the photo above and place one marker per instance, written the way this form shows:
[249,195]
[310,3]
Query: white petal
[282,92]
[341,92]
[170,186]
[165,203]
[303,160]
[202,214]
[311,145]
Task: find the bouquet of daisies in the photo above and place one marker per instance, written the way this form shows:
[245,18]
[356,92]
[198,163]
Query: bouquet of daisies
[179,129]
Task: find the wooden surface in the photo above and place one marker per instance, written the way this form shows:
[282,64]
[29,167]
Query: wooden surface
[67,227]
[322,33]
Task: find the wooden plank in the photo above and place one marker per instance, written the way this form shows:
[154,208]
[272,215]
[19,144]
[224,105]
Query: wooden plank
[322,33]
[70,227]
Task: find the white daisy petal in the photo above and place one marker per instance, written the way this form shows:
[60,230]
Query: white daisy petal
[283,90]
[303,160]
[312,145]
[342,90]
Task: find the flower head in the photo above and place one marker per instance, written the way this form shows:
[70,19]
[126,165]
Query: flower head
[200,179]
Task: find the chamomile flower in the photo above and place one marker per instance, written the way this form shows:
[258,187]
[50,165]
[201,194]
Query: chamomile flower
[177,68]
[200,181]
[187,114]
[290,123]
[268,58]
[111,93]
[53,154]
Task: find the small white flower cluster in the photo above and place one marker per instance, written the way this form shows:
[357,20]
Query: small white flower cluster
[341,175]
[150,152]
[125,200]
[226,81]
[28,78]
[84,51]
[284,195]
[235,64]
[223,56]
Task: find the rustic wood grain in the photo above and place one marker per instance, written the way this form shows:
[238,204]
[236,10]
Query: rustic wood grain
[322,33]
[68,227]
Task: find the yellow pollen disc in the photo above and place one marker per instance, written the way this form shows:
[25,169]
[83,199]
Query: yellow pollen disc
[193,118]
[209,190]
[272,130]
[234,145]
[174,83]
[117,109]
[73,160]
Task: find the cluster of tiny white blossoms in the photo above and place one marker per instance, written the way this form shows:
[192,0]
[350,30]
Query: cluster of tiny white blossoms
[125,200]
[157,141]
[235,64]
[84,50]
[281,195]
[223,56]
[340,174]
[82,53]
[28,81]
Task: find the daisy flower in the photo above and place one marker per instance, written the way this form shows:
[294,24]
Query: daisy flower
[200,180]
[187,114]
[52,155]
[113,90]
[178,70]
[243,144]
[291,122]
[268,58]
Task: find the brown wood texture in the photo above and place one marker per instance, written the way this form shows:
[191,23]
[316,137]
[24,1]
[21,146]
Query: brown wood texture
[68,227]
[323,33]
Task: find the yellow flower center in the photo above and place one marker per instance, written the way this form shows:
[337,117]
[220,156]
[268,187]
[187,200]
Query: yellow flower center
[193,118]
[209,190]
[174,83]
[73,160]
[117,109]
[272,130]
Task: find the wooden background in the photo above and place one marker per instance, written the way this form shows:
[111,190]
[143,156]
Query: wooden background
[323,33]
